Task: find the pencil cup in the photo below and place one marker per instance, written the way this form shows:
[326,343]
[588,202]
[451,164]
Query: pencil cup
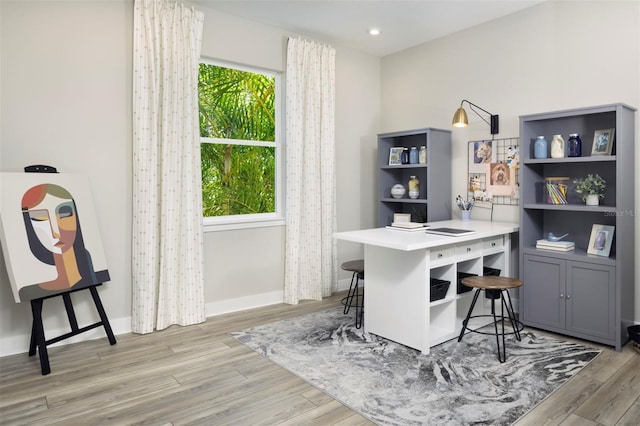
[466,215]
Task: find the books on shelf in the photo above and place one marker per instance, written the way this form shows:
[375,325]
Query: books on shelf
[408,226]
[555,245]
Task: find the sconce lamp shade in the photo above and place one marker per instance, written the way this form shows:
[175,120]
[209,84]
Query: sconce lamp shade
[460,117]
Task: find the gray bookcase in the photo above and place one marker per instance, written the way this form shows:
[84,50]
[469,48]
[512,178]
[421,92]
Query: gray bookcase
[576,293]
[434,201]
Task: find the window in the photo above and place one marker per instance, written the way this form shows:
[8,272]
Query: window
[239,144]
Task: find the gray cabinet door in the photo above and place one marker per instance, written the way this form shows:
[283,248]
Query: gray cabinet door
[591,299]
[544,292]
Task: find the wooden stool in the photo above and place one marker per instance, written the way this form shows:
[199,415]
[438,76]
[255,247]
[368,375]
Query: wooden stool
[354,298]
[494,288]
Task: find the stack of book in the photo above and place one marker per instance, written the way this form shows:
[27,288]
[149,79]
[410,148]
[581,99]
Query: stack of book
[555,245]
[408,226]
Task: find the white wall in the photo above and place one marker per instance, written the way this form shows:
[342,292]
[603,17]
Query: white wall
[554,56]
[66,101]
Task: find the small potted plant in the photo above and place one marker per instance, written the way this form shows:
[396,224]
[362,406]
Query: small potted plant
[591,189]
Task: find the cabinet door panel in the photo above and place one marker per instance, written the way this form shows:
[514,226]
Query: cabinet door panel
[591,299]
[543,291]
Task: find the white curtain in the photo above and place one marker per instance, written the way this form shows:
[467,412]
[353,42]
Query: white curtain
[310,264]
[167,265]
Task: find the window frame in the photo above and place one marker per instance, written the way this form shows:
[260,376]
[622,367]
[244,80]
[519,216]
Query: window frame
[258,220]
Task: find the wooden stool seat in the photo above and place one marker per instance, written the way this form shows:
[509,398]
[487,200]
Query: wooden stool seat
[495,288]
[354,298]
[354,266]
[492,282]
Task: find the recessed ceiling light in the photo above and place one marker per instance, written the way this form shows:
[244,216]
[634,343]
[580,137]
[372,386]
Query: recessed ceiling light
[374,31]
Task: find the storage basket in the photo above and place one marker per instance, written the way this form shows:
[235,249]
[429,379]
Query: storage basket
[438,289]
[461,287]
[490,272]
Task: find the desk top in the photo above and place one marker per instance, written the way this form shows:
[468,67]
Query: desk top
[408,241]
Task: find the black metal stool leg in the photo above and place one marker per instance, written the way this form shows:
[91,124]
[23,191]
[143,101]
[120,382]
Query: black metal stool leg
[512,317]
[466,320]
[352,291]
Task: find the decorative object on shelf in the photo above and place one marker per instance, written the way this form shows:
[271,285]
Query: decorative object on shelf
[413,155]
[601,239]
[591,189]
[574,145]
[540,147]
[501,179]
[395,154]
[460,117]
[556,188]
[423,155]
[603,142]
[414,187]
[398,190]
[404,157]
[557,147]
[552,237]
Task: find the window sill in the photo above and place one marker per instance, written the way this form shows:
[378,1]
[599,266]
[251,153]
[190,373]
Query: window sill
[242,223]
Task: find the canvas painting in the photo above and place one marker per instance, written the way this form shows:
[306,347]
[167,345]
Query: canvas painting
[501,179]
[50,235]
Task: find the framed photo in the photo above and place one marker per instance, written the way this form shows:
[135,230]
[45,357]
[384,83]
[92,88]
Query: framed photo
[401,217]
[394,156]
[481,153]
[601,239]
[603,142]
[501,179]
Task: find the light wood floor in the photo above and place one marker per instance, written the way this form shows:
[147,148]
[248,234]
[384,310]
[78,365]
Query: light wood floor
[200,375]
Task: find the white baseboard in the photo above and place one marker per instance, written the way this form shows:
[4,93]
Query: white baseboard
[18,344]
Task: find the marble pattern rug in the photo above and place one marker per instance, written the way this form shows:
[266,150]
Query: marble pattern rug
[391,384]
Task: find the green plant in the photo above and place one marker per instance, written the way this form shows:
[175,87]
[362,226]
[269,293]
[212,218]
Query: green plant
[591,185]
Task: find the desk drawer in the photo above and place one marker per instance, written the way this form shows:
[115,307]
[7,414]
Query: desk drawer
[469,248]
[442,253]
[493,243]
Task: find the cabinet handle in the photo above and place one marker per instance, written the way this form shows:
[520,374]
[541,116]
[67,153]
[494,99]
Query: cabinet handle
[468,249]
[561,295]
[439,255]
[493,244]
[568,296]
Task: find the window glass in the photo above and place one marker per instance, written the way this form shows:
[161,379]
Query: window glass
[239,141]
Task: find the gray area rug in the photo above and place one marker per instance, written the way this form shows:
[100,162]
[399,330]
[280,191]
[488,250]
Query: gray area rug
[391,384]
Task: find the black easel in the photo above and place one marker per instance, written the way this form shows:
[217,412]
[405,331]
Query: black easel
[37,330]
[38,340]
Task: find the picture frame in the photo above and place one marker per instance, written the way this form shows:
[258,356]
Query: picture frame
[481,153]
[601,240]
[603,142]
[395,156]
[401,217]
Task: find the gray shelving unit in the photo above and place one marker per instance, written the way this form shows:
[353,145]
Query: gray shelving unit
[576,293]
[434,201]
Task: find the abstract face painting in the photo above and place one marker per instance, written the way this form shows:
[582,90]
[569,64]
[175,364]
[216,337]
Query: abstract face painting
[53,229]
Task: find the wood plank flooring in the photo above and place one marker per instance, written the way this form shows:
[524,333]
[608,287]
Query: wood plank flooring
[198,375]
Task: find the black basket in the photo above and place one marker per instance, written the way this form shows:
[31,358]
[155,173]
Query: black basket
[634,333]
[438,289]
[461,287]
[490,272]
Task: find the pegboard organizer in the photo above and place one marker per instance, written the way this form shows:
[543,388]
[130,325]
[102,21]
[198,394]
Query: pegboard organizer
[505,151]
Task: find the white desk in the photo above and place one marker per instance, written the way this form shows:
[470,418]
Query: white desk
[398,268]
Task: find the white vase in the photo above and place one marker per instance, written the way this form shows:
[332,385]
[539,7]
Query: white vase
[592,200]
[398,190]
